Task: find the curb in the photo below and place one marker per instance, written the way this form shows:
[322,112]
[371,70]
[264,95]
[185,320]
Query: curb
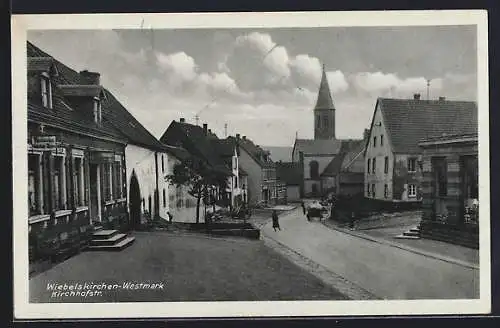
[406,248]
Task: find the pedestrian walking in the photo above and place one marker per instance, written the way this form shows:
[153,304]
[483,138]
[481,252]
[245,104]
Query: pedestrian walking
[276,224]
[303,207]
[170,217]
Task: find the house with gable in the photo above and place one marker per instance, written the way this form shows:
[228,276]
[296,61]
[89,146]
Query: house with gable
[199,142]
[393,158]
[290,174]
[145,164]
[228,151]
[344,175]
[262,186]
[75,157]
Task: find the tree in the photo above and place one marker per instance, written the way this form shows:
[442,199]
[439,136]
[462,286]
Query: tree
[199,177]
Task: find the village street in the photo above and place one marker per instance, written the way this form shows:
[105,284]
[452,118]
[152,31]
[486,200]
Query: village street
[383,270]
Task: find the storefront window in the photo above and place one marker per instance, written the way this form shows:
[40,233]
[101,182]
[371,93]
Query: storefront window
[33,185]
[57,183]
[105,181]
[470,189]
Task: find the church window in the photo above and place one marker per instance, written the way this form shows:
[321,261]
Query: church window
[314,170]
[325,121]
[318,121]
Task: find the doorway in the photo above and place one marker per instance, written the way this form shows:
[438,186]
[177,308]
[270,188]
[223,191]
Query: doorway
[135,202]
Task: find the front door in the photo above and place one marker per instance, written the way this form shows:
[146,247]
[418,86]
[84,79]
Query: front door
[135,202]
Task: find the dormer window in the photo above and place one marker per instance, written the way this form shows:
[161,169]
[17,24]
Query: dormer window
[97,111]
[46,89]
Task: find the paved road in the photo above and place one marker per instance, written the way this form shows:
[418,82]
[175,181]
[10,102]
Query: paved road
[385,271]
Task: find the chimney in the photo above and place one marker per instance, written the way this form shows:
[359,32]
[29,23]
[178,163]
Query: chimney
[244,137]
[442,98]
[237,135]
[416,96]
[182,120]
[210,131]
[366,134]
[205,127]
[93,78]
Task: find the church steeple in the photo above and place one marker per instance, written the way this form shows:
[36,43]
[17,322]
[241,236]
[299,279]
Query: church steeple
[324,100]
[324,111]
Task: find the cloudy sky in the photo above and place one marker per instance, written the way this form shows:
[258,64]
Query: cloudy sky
[263,83]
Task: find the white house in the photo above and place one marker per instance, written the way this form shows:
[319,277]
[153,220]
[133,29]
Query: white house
[145,164]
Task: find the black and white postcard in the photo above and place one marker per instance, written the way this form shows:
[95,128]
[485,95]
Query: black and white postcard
[251,164]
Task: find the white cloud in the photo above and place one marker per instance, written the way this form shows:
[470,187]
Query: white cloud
[307,67]
[337,81]
[180,64]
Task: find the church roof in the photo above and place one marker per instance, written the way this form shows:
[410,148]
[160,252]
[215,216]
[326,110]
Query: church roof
[324,100]
[317,146]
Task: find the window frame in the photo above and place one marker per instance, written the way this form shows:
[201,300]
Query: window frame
[412,190]
[369,165]
[374,191]
[374,141]
[374,165]
[381,140]
[386,164]
[46,90]
[412,164]
[386,190]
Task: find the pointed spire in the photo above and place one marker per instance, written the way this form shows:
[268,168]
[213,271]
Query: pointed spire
[324,100]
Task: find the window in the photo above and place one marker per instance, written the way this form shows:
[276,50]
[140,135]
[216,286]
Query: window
[386,190]
[79,181]
[368,189]
[470,177]
[368,164]
[374,165]
[164,198]
[374,142]
[162,164]
[386,164]
[318,121]
[58,187]
[381,140]
[373,190]
[106,181]
[412,164]
[117,180]
[46,89]
[235,182]
[97,111]
[412,190]
[325,121]
[34,185]
[314,170]
[178,196]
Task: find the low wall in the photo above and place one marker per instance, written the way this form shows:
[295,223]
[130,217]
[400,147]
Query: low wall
[459,234]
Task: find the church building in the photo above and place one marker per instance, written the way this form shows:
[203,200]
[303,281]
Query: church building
[314,155]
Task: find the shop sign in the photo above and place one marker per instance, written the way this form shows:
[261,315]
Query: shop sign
[102,157]
[45,142]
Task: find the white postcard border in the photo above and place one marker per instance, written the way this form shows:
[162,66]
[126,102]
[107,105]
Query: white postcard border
[25,310]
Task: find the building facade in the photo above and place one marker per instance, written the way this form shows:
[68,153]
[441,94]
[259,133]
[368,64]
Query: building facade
[76,160]
[450,189]
[393,160]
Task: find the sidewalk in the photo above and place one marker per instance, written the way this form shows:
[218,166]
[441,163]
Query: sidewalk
[385,235]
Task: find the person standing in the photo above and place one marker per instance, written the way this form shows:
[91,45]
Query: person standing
[276,224]
[303,207]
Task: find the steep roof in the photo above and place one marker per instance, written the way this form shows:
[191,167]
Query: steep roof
[355,152]
[409,120]
[193,139]
[63,114]
[315,147]
[289,173]
[324,100]
[256,152]
[117,120]
[348,151]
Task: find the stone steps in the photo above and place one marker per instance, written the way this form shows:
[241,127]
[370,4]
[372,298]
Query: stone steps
[109,240]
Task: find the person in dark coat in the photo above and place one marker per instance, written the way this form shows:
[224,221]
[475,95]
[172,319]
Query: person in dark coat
[276,224]
[170,217]
[303,207]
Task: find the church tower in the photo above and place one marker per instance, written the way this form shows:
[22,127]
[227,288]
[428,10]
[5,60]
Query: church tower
[324,111]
